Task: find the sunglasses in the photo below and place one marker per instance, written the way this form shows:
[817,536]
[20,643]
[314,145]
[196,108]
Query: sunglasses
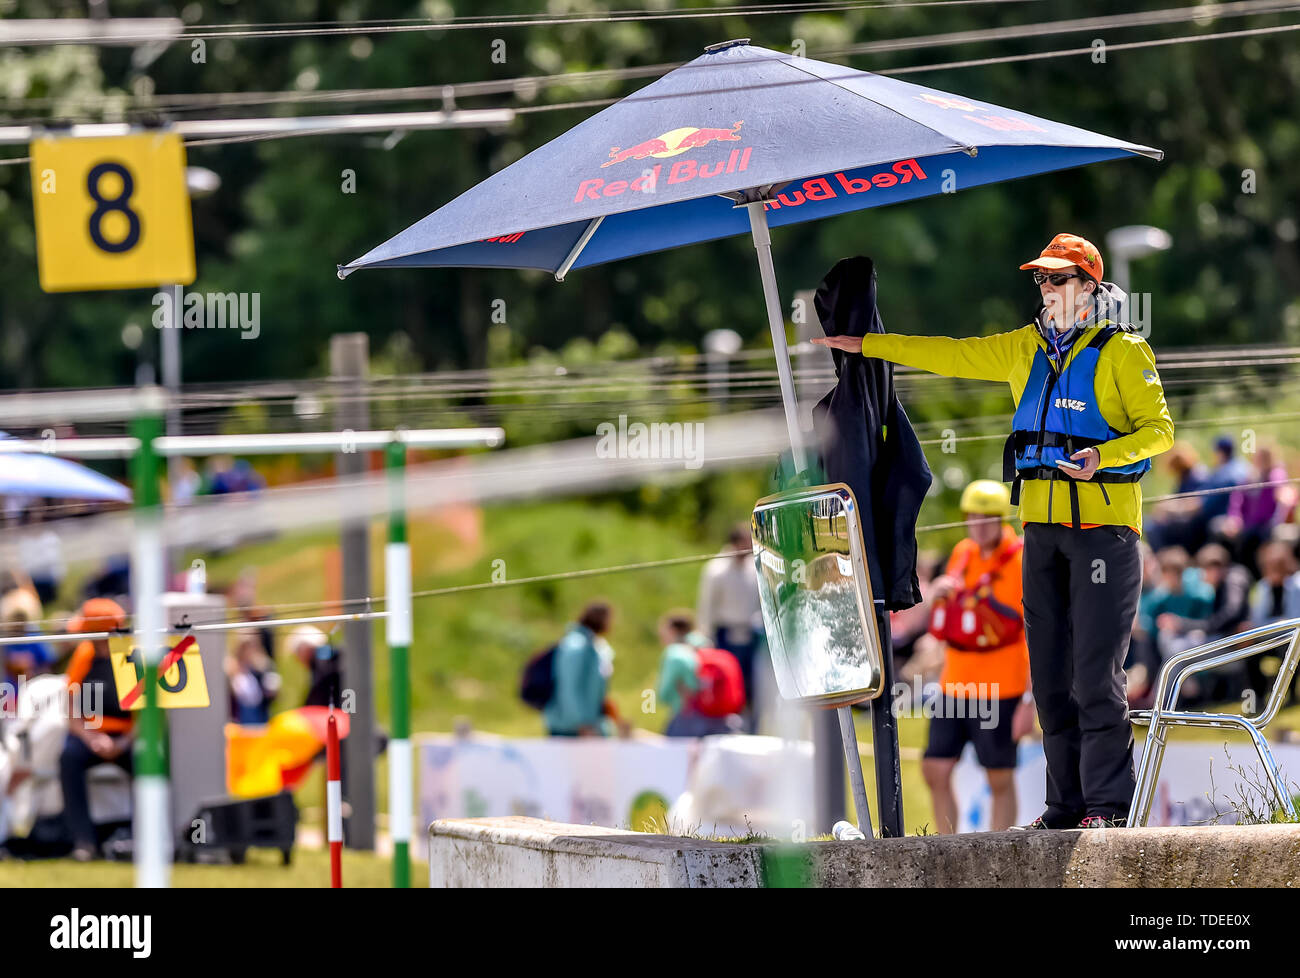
[1056,278]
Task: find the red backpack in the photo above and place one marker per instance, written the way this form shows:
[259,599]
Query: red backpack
[722,685]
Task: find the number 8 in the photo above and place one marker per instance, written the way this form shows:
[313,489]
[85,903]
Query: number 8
[105,205]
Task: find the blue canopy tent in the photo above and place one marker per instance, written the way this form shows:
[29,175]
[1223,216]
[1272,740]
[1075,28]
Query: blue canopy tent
[741,139]
[36,474]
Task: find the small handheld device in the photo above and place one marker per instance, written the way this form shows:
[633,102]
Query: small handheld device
[1063,463]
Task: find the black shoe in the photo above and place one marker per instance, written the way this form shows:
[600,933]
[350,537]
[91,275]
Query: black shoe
[1045,821]
[1103,822]
[1037,823]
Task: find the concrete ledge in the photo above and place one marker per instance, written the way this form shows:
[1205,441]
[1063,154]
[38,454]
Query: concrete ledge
[533,852]
[518,851]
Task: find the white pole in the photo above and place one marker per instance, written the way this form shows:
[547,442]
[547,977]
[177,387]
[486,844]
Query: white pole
[824,732]
[151,829]
[151,817]
[776,322]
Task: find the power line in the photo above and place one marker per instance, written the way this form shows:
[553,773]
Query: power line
[596,103]
[196,101]
[273,30]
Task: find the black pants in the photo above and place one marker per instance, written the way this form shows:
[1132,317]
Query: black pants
[1081,594]
[74,762]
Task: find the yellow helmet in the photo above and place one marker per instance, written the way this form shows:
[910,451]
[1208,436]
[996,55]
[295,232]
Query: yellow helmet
[987,498]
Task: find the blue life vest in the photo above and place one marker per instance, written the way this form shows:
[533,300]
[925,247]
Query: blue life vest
[1056,417]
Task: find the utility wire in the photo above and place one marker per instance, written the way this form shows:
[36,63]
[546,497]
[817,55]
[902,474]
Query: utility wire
[598,103]
[533,83]
[594,103]
[216,32]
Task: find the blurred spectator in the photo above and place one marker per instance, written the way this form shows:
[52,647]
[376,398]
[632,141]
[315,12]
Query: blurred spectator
[680,679]
[1229,610]
[112,581]
[254,682]
[1231,583]
[1178,522]
[41,555]
[311,647]
[1228,471]
[1252,513]
[19,609]
[979,612]
[1276,597]
[242,601]
[227,475]
[188,482]
[99,730]
[1180,597]
[728,607]
[577,709]
[1143,661]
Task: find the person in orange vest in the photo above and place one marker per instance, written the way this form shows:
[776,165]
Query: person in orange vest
[980,617]
[99,730]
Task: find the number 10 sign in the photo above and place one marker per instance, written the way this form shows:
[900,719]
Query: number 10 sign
[112,213]
[181,682]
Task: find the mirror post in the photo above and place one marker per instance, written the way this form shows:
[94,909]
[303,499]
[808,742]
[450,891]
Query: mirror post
[884,735]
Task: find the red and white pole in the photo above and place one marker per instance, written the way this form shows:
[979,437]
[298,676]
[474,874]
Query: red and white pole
[334,803]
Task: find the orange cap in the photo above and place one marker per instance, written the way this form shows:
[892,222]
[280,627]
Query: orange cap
[99,615]
[1066,250]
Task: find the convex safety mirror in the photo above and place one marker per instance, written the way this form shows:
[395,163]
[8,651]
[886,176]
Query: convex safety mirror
[816,596]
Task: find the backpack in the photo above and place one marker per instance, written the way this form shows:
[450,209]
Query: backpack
[722,684]
[537,685]
[972,620]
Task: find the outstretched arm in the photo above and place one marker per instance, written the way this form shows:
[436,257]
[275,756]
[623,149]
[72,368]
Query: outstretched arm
[972,357]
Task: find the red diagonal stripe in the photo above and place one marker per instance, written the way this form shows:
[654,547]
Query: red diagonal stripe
[169,660]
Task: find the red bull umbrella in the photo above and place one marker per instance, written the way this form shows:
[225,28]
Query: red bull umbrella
[740,139]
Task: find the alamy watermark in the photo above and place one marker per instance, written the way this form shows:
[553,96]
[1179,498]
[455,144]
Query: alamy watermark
[211,310]
[83,701]
[678,440]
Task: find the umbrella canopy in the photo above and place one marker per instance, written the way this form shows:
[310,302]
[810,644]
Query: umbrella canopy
[666,166]
[35,474]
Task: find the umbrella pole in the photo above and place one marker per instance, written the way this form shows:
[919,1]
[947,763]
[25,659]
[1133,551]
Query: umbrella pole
[776,322]
[828,783]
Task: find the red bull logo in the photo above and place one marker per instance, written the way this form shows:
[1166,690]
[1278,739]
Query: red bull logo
[668,144]
[673,142]
[680,172]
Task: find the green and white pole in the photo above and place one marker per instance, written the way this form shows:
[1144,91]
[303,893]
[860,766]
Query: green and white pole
[397,576]
[151,828]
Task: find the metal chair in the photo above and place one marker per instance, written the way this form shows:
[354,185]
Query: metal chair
[1162,716]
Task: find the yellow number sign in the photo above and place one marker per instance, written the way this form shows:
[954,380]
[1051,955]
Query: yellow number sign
[112,213]
[181,682]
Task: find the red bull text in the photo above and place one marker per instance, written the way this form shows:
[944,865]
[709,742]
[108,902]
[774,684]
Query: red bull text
[826,188]
[680,172]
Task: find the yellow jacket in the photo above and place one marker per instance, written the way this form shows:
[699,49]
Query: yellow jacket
[1129,396]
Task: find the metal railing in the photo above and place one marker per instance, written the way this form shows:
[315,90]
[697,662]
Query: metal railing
[1163,715]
